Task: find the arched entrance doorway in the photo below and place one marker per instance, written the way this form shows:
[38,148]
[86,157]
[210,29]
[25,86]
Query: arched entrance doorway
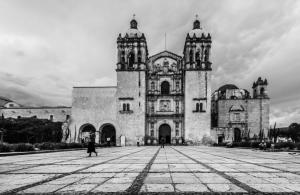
[165,131]
[88,132]
[108,131]
[237,135]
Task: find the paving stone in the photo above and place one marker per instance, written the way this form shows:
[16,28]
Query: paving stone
[78,188]
[158,180]
[157,188]
[109,187]
[225,188]
[270,188]
[211,178]
[191,188]
[121,180]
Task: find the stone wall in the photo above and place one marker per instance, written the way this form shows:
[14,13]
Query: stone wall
[197,90]
[255,116]
[95,106]
[131,89]
[258,112]
[54,113]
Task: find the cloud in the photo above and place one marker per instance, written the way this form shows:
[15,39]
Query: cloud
[47,47]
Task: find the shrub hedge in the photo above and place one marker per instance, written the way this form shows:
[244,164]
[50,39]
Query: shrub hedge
[22,147]
[256,144]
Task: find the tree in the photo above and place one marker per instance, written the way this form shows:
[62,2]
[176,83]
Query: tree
[294,132]
[273,133]
[31,130]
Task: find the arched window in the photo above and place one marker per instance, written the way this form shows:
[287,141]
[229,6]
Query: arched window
[152,85]
[206,55]
[198,59]
[165,88]
[177,85]
[197,107]
[262,91]
[128,107]
[130,60]
[123,57]
[201,107]
[139,56]
[191,56]
[124,107]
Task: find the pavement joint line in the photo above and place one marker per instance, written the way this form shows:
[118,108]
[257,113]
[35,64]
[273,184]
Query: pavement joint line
[14,191]
[231,179]
[137,184]
[108,179]
[54,163]
[173,184]
[278,169]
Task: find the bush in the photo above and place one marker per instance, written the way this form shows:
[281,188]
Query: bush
[23,147]
[5,148]
[298,145]
[289,145]
[76,145]
[207,140]
[220,144]
[31,130]
[55,146]
[255,144]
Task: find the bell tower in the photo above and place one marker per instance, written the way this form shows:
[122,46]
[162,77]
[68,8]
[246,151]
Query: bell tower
[260,88]
[132,49]
[131,83]
[197,88]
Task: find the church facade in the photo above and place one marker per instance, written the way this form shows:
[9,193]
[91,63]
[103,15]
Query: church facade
[164,95]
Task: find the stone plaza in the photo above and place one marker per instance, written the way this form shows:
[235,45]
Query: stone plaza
[146,170]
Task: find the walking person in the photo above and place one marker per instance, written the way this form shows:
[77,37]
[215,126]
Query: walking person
[108,141]
[162,142]
[91,147]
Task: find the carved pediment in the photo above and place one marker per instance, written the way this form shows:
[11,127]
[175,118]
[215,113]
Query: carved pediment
[235,108]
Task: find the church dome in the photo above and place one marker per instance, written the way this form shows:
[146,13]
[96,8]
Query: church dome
[133,31]
[197,30]
[227,86]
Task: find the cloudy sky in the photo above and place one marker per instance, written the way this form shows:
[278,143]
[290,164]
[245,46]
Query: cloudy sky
[49,46]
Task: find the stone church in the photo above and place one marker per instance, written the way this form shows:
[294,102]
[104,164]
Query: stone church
[164,95]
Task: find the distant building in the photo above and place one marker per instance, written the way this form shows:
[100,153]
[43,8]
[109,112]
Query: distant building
[11,109]
[7,103]
[237,115]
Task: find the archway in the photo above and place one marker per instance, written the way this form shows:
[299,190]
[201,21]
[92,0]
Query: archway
[108,131]
[88,132]
[165,88]
[237,135]
[165,131]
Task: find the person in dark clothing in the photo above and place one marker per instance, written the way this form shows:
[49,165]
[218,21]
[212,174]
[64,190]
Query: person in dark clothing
[162,142]
[91,148]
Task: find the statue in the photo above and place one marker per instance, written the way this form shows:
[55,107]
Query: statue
[65,131]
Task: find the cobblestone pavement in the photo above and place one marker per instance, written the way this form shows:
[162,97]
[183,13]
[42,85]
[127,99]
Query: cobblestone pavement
[173,169]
